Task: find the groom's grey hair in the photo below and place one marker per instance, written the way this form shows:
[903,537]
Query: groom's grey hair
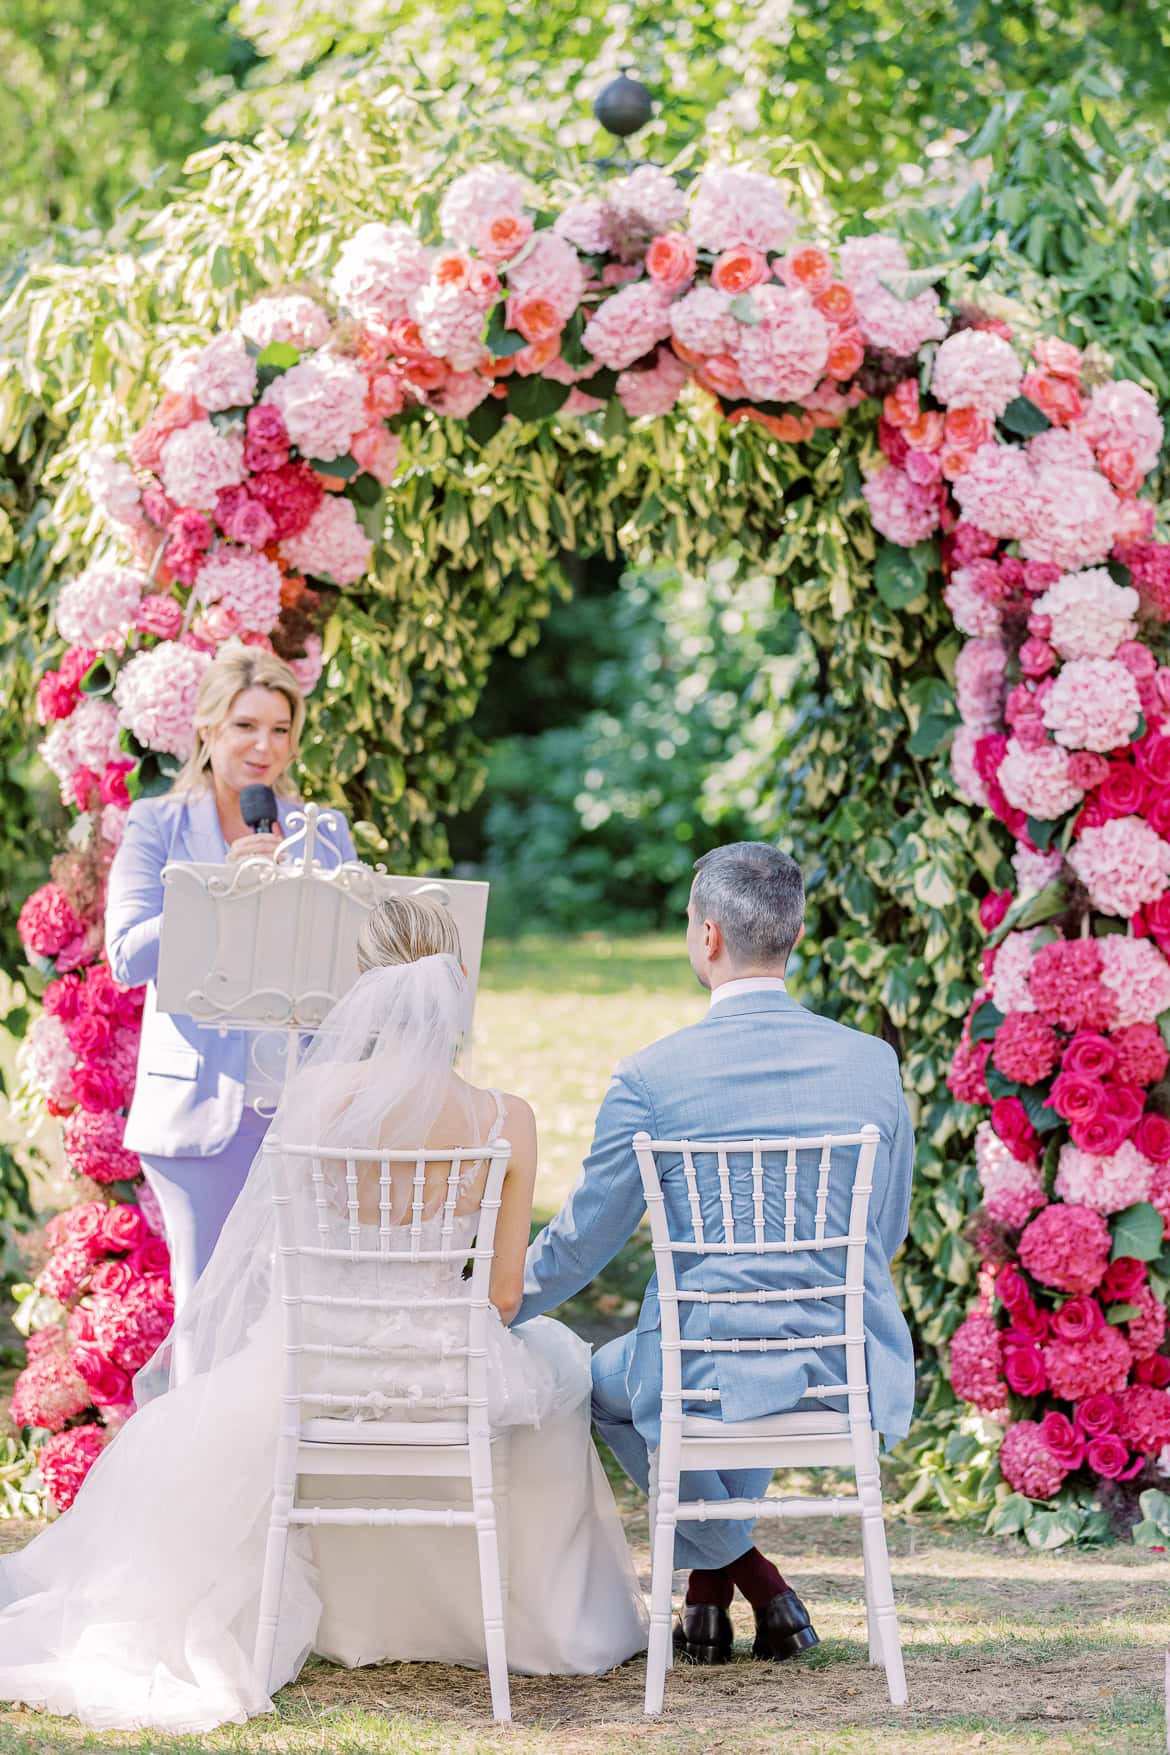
[755,895]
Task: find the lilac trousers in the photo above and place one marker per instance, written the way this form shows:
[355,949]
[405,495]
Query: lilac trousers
[197,1194]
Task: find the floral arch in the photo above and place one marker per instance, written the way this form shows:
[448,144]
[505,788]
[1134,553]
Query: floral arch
[373,470]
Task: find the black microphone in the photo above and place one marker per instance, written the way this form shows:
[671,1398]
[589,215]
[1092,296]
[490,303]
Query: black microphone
[258,809]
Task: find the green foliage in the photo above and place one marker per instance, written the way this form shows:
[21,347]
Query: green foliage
[600,821]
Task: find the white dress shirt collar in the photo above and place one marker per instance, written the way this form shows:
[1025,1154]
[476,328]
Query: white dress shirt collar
[749,984]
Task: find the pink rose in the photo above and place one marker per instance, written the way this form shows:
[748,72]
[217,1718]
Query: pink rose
[1154,1371]
[993,908]
[1024,1369]
[111,1276]
[1036,658]
[1011,1288]
[1108,1457]
[1086,769]
[1063,1440]
[1122,790]
[1100,1134]
[1152,755]
[124,1227]
[1097,1414]
[97,1088]
[106,1382]
[671,260]
[1152,1138]
[1076,1318]
[1077,1098]
[1089,1055]
[1123,1278]
[736,270]
[149,1259]
[1029,1324]
[1009,1118]
[266,442]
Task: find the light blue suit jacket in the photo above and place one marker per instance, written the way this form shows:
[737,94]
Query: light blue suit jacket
[757,1065]
[189,1097]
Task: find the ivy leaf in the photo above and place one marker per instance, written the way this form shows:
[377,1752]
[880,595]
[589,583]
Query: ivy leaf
[999,1084]
[1164,1026]
[535,398]
[985,1022]
[1014,1515]
[900,574]
[484,422]
[1024,419]
[743,307]
[1138,1232]
[278,354]
[154,774]
[498,340]
[1119,1313]
[1043,831]
[99,678]
[938,715]
[1043,1118]
[365,489]
[602,384]
[571,347]
[1031,910]
[340,468]
[1119,572]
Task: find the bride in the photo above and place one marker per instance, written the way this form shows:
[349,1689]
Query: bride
[139,1606]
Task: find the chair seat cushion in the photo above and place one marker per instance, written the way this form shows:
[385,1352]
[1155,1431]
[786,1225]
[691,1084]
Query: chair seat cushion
[383,1432]
[811,1423]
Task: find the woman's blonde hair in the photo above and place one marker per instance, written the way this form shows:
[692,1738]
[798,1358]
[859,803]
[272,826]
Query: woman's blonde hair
[402,929]
[234,669]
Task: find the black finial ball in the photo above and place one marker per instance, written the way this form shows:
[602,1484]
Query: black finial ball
[623,106]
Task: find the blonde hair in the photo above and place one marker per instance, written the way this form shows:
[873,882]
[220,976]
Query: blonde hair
[234,669]
[402,929]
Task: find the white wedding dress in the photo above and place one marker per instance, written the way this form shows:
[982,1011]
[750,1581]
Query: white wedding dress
[138,1607]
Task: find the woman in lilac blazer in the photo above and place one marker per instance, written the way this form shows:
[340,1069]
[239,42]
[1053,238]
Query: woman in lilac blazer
[188,1120]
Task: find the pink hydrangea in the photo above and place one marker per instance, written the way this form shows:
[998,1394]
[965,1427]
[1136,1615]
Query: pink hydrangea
[972,610]
[332,545]
[87,739]
[587,223]
[976,369]
[1137,974]
[644,204]
[655,391]
[65,1459]
[1034,871]
[551,271]
[1065,984]
[1062,448]
[246,583]
[781,358]
[963,770]
[1090,615]
[456,397]
[1067,1247]
[1147,1330]
[996,490]
[47,922]
[1142,1056]
[977,1363]
[242,518]
[702,321]
[1092,1364]
[1107,1184]
[733,207]
[1038,781]
[450,322]
[379,270]
[196,462]
[1121,416]
[1012,1190]
[112,485]
[49,1391]
[901,511]
[45,1061]
[131,1325]
[1027,1464]
[980,671]
[475,199]
[1010,987]
[1123,864]
[1071,520]
[900,325]
[155,695]
[97,609]
[290,495]
[628,325]
[220,375]
[289,317]
[1143,1417]
[322,402]
[1025,1048]
[307,670]
[1093,704]
[966,1079]
[95,1148]
[376,450]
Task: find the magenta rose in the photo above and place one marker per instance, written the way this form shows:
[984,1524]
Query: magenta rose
[1011,1288]
[149,1259]
[1125,1103]
[1097,1414]
[993,908]
[266,441]
[1076,1097]
[96,1087]
[1108,1457]
[124,1227]
[1152,754]
[1076,1318]
[1123,1278]
[1103,1134]
[111,1276]
[1009,1118]
[1089,1055]
[1122,790]
[1155,1371]
[1024,1369]
[80,1324]
[1152,1138]
[90,1034]
[1063,1440]
[106,1382]
[1086,769]
[1157,810]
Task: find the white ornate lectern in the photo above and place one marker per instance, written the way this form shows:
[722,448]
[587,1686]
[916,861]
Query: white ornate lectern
[269,945]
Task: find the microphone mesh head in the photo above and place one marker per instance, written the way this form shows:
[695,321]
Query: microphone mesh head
[258,806]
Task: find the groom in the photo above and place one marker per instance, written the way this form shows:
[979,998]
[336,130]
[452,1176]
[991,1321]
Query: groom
[758,1065]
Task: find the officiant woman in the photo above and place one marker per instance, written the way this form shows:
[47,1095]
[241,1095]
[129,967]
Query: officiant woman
[188,1120]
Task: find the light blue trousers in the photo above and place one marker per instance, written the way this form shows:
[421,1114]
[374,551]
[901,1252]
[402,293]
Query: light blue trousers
[197,1194]
[707,1545]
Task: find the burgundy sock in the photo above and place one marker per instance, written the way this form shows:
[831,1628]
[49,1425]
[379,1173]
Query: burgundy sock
[756,1577]
[712,1585]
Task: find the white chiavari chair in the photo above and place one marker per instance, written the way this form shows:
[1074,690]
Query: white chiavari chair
[811,1439]
[317,1437]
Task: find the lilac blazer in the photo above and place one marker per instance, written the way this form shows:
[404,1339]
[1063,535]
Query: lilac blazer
[189,1097]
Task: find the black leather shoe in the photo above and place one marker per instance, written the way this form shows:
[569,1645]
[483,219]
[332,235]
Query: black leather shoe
[783,1629]
[703,1636]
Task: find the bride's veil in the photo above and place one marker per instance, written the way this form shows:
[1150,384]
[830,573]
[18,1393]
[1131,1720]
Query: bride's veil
[377,1073]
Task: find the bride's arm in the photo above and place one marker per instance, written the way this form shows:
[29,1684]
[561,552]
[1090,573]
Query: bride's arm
[515,1215]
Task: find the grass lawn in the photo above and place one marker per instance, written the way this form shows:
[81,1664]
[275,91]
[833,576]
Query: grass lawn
[1007,1651]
